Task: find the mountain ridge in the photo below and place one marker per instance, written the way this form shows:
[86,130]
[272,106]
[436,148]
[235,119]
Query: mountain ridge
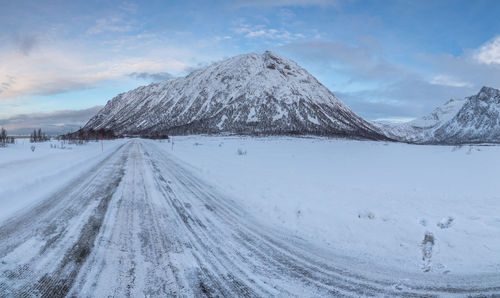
[473,119]
[245,94]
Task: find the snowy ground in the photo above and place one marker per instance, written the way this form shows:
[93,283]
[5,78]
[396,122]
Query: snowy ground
[231,216]
[367,199]
[27,176]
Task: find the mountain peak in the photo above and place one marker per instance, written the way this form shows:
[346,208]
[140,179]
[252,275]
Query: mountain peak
[284,66]
[268,55]
[474,119]
[488,92]
[246,94]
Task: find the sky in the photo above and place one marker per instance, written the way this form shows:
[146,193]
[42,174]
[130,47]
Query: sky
[387,60]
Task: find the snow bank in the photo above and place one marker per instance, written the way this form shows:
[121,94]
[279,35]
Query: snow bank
[27,176]
[415,208]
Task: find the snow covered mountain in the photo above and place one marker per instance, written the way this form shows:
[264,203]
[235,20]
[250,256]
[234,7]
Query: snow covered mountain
[474,119]
[246,94]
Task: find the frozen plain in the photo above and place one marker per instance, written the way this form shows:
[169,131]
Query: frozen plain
[250,217]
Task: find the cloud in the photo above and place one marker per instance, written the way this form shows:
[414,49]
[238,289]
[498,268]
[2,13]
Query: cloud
[376,87]
[111,24]
[394,119]
[129,7]
[52,123]
[278,3]
[225,37]
[61,68]
[151,77]
[25,43]
[362,62]
[489,53]
[260,31]
[465,71]
[407,97]
[6,83]
[449,81]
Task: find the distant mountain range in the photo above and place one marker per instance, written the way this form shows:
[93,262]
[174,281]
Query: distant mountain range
[271,95]
[474,119]
[247,94]
[52,123]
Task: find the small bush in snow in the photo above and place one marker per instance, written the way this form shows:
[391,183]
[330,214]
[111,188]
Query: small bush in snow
[241,152]
[33,148]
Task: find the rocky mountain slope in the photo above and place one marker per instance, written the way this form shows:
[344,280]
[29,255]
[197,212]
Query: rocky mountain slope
[246,94]
[474,119]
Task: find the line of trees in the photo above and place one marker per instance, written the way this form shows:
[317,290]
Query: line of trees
[4,138]
[38,136]
[155,136]
[82,135]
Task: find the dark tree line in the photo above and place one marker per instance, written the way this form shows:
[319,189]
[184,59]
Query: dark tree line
[85,135]
[38,136]
[155,137]
[4,138]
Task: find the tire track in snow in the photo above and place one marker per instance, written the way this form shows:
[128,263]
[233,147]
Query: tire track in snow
[60,233]
[270,260]
[280,261]
[131,254]
[141,224]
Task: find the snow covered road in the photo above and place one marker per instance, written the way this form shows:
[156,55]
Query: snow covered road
[140,223]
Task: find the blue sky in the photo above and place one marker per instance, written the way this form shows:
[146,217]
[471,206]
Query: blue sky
[387,59]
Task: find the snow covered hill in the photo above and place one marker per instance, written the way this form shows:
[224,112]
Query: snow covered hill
[478,121]
[474,119]
[246,94]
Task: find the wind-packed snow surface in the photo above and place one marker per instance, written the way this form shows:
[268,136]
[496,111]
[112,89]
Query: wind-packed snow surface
[27,177]
[371,200]
[243,216]
[474,119]
[246,94]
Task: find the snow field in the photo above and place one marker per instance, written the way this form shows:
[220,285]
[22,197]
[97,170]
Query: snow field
[411,208]
[27,176]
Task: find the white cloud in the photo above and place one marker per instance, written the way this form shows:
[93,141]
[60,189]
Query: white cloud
[112,24]
[56,122]
[225,37]
[394,119]
[57,69]
[257,33]
[260,31]
[445,80]
[129,7]
[489,53]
